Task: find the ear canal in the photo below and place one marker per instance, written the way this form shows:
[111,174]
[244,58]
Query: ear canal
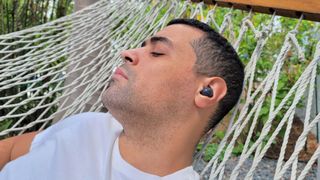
[207,91]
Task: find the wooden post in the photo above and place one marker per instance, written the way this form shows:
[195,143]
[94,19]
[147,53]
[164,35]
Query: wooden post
[79,4]
[317,110]
[289,8]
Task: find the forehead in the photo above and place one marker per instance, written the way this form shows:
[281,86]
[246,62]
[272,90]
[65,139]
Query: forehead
[181,35]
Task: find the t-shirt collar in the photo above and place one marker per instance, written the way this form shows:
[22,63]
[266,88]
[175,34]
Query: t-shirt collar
[127,171]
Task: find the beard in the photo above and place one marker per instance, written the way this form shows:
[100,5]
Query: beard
[123,101]
[137,103]
[116,98]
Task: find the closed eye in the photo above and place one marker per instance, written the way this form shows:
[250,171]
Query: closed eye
[156,54]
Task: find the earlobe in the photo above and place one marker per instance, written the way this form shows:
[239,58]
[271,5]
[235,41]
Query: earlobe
[201,101]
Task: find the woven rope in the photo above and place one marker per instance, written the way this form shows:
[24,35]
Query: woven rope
[60,68]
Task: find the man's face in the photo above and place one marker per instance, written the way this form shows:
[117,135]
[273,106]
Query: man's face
[157,79]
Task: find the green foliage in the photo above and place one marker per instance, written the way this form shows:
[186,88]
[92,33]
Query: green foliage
[219,134]
[209,152]
[16,15]
[19,14]
[308,35]
[237,150]
[212,148]
[5,124]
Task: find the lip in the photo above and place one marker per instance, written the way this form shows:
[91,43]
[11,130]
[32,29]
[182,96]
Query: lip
[120,72]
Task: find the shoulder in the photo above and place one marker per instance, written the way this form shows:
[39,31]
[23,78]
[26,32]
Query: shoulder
[84,141]
[83,117]
[76,126]
[90,121]
[187,173]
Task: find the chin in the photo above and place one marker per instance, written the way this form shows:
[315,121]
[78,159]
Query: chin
[111,83]
[110,99]
[105,97]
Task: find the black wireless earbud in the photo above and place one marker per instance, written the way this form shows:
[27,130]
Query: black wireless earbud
[207,91]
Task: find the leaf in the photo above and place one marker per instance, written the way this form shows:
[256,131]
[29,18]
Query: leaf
[237,150]
[210,151]
[5,125]
[219,134]
[264,111]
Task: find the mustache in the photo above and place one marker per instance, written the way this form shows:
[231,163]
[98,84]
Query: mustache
[127,70]
[123,67]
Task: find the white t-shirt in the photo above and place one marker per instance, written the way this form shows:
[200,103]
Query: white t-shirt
[81,147]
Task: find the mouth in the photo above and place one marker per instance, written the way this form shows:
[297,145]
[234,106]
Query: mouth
[120,72]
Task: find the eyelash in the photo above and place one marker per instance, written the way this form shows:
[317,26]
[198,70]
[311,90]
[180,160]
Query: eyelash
[156,54]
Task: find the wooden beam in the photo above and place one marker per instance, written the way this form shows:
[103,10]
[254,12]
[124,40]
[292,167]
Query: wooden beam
[289,8]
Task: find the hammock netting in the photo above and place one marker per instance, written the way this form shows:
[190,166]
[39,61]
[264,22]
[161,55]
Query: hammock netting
[60,68]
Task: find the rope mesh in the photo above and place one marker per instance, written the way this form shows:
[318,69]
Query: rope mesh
[60,68]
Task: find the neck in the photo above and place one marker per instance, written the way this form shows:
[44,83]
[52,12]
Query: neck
[158,150]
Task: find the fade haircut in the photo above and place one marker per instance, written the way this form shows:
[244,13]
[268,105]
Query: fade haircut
[216,58]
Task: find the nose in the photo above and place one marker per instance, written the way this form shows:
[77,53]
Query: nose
[129,56]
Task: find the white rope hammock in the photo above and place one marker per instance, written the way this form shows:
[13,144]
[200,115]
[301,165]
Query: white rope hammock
[60,68]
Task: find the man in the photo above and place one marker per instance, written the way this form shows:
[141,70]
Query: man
[169,92]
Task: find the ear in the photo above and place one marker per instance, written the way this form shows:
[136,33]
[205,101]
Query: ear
[219,89]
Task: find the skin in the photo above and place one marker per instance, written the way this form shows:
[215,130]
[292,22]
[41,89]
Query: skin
[14,147]
[159,104]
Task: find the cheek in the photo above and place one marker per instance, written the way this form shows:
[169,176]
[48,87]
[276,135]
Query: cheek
[164,79]
[171,84]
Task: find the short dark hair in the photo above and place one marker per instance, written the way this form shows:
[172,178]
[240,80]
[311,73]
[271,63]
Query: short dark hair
[216,57]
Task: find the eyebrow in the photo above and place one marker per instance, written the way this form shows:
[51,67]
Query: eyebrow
[161,39]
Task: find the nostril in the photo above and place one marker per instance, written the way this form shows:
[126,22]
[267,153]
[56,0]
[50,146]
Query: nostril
[128,59]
